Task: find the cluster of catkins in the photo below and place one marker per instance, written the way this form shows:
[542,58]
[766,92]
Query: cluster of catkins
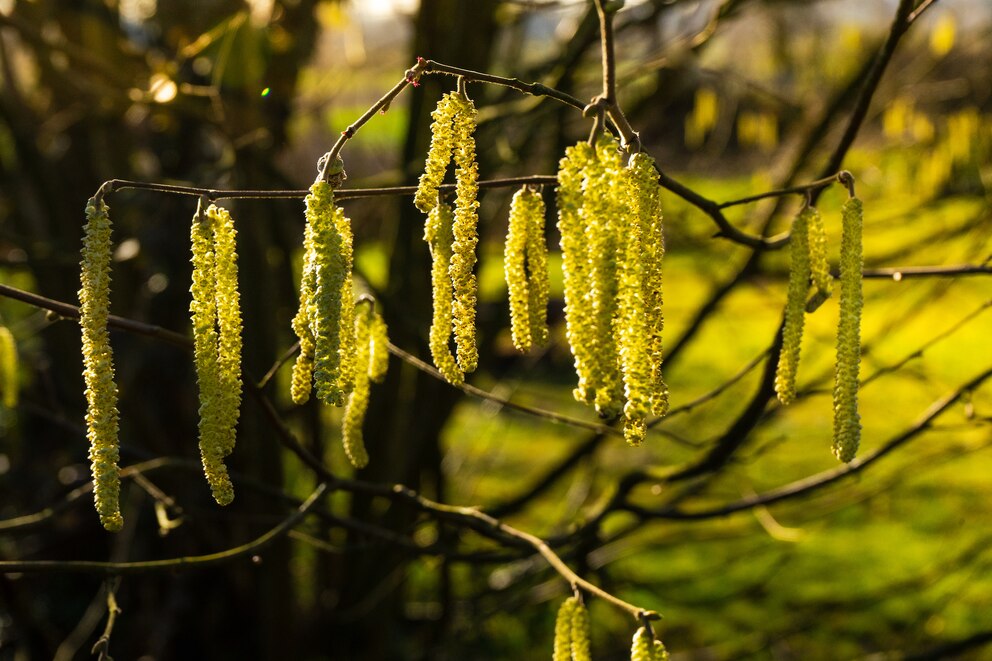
[342,348]
[452,235]
[808,264]
[609,217]
[572,641]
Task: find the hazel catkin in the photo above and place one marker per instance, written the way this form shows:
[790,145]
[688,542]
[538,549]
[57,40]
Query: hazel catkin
[216,319]
[639,315]
[602,213]
[465,235]
[563,630]
[438,235]
[439,154]
[581,641]
[332,320]
[98,367]
[792,332]
[525,265]
[576,273]
[358,399]
[819,267]
[847,421]
[8,369]
[302,378]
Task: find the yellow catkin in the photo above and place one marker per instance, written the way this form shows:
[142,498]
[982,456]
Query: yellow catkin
[792,333]
[640,316]
[98,367]
[603,210]
[819,267]
[647,205]
[379,358]
[332,321]
[466,235]
[524,252]
[539,286]
[8,369]
[358,399]
[563,630]
[438,234]
[581,642]
[642,646]
[579,325]
[439,155]
[214,429]
[303,322]
[228,321]
[847,422]
[660,653]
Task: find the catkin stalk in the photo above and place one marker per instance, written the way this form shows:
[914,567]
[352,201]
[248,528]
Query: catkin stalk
[792,333]
[8,369]
[98,365]
[847,421]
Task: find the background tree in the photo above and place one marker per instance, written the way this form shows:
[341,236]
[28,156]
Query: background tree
[733,521]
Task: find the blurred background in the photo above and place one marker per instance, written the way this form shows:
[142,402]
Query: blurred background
[733,98]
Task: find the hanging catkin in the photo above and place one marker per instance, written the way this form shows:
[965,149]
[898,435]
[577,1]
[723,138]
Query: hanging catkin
[576,276]
[581,643]
[526,251]
[640,317]
[539,286]
[452,133]
[371,359]
[602,213]
[439,154]
[228,320]
[819,267]
[563,630]
[303,322]
[466,235]
[847,422]
[642,646]
[438,235]
[98,367]
[8,368]
[792,333]
[216,318]
[332,320]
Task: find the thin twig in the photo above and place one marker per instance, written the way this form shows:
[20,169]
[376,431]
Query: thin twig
[469,389]
[534,89]
[171,564]
[411,76]
[820,480]
[102,646]
[805,188]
